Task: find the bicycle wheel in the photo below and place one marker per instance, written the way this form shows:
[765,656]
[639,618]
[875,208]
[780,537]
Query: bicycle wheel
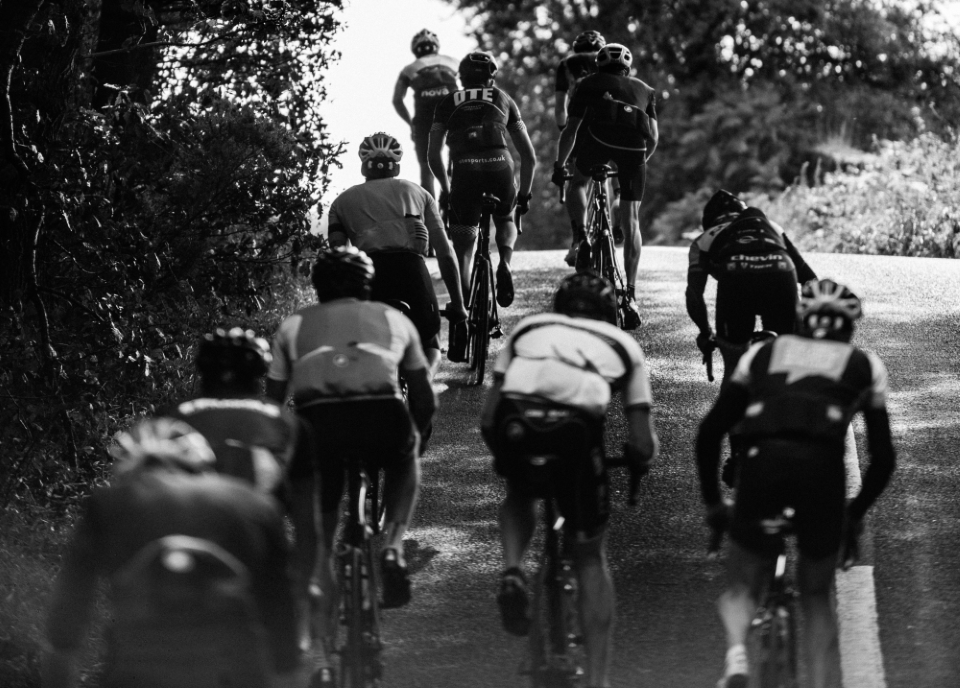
[539,630]
[372,665]
[352,652]
[776,649]
[482,309]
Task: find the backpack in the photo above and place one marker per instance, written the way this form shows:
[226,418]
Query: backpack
[185,617]
[430,85]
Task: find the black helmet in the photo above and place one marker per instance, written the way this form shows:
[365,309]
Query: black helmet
[233,355]
[425,43]
[588,42]
[341,272]
[827,310]
[478,67]
[587,295]
[720,206]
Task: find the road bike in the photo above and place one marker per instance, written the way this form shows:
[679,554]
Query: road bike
[360,662]
[598,250]
[555,641]
[772,643]
[483,320]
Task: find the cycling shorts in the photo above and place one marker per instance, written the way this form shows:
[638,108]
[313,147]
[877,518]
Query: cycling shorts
[474,174]
[378,432]
[420,133]
[808,476]
[631,166]
[744,294]
[574,474]
[403,276]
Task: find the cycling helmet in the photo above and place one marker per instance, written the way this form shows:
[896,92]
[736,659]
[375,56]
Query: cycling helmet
[827,310]
[380,153]
[588,42]
[478,67]
[720,207]
[587,295]
[342,272]
[162,442]
[234,355]
[614,56]
[425,43]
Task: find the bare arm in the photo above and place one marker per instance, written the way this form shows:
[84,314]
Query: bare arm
[528,159]
[446,261]
[654,138]
[696,306]
[399,93]
[640,432]
[423,402]
[567,138]
[560,108]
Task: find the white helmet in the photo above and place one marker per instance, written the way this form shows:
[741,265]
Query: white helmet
[614,53]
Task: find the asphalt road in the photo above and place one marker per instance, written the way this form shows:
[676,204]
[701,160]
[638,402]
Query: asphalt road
[667,633]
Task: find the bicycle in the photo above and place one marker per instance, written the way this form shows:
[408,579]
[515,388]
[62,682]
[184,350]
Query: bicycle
[483,320]
[599,238]
[720,343]
[773,631]
[554,641]
[360,663]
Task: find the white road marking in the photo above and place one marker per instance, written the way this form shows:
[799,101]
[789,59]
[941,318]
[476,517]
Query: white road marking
[861,659]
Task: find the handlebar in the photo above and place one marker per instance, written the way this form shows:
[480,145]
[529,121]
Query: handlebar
[563,189]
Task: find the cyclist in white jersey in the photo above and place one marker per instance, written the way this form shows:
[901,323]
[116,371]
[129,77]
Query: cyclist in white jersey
[394,222]
[566,363]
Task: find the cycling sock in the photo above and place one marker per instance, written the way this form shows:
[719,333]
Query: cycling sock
[506,253]
[736,661]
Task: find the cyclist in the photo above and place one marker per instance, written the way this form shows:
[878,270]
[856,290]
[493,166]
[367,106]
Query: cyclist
[794,397]
[164,485]
[757,269]
[571,70]
[394,221]
[431,77]
[477,121]
[618,118]
[340,359]
[566,364]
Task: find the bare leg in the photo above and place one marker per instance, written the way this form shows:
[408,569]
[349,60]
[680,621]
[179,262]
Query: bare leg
[596,606]
[465,247]
[518,520]
[822,646]
[400,489]
[433,361]
[426,178]
[738,603]
[577,202]
[630,222]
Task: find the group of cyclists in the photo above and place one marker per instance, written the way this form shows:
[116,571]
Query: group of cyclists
[200,490]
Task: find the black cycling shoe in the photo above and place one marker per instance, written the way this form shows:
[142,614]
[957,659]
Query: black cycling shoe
[583,257]
[504,285]
[631,315]
[617,235]
[513,602]
[396,580]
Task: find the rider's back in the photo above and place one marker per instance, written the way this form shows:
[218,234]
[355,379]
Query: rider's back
[430,77]
[477,119]
[614,108]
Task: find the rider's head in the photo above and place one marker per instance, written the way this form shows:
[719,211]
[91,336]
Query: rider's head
[425,43]
[342,272]
[232,362]
[478,69]
[614,58]
[587,295]
[827,310]
[588,42]
[380,156]
[162,443]
[722,207]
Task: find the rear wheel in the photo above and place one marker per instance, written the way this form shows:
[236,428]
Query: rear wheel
[481,335]
[352,652]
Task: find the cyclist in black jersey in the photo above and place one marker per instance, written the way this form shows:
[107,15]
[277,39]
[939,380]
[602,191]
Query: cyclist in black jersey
[431,77]
[757,270]
[570,72]
[477,122]
[792,399]
[616,116]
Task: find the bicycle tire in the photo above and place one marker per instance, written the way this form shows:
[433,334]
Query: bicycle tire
[481,341]
[373,668]
[352,654]
[776,666]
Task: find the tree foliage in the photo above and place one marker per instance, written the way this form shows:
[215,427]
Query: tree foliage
[163,160]
[748,89]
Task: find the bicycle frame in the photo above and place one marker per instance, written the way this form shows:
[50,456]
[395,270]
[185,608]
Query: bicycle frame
[483,320]
[360,664]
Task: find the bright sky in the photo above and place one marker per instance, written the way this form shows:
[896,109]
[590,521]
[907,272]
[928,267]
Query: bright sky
[375,46]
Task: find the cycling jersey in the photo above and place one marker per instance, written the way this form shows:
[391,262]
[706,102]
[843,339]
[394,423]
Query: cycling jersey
[574,362]
[476,119]
[431,77]
[252,439]
[808,388]
[386,215]
[573,69]
[345,349]
[615,110]
[143,505]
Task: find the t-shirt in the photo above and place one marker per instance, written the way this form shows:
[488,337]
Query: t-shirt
[431,77]
[573,361]
[804,387]
[345,349]
[476,119]
[386,215]
[615,110]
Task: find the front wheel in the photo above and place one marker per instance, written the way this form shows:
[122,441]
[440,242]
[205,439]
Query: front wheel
[776,649]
